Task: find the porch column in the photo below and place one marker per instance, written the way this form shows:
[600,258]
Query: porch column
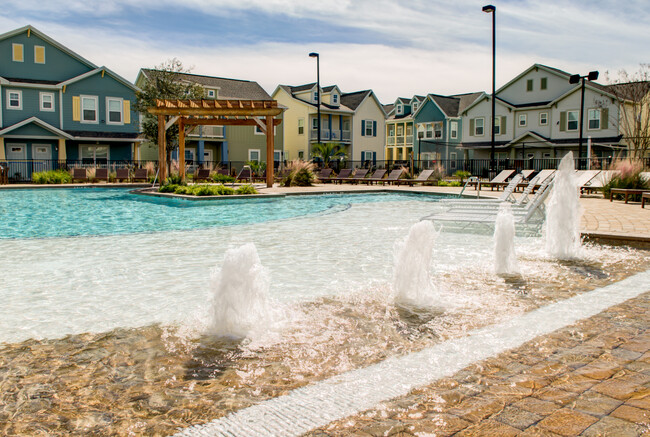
[162,152]
[3,157]
[224,152]
[200,149]
[63,154]
[270,145]
[136,151]
[181,148]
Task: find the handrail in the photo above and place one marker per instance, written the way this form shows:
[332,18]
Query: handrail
[470,179]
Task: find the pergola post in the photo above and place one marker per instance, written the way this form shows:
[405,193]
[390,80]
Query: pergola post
[270,146]
[181,148]
[162,150]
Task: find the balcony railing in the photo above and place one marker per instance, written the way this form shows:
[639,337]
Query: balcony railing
[327,135]
[391,141]
[409,139]
[207,132]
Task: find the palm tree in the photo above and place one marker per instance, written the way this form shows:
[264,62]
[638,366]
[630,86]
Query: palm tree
[327,152]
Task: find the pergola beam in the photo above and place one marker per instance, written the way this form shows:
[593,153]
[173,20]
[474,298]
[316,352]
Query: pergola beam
[224,122]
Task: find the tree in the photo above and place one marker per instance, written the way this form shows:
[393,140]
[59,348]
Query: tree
[163,83]
[327,152]
[633,94]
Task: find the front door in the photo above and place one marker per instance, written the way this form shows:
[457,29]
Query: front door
[208,156]
[42,157]
[18,165]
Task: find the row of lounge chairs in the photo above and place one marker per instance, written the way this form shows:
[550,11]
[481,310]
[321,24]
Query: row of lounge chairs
[378,176]
[102,174]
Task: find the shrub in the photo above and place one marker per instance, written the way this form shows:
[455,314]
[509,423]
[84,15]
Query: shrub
[628,176]
[438,172]
[174,179]
[246,189]
[183,189]
[222,178]
[462,175]
[52,177]
[168,188]
[300,174]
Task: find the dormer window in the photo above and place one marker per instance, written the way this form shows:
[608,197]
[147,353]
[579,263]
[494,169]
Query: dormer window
[335,99]
[315,96]
[415,106]
[211,93]
[400,109]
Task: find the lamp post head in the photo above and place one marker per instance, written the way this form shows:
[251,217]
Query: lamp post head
[575,78]
[593,75]
[313,55]
[489,8]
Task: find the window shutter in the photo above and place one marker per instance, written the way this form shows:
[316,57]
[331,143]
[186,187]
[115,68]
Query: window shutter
[76,108]
[374,158]
[604,118]
[471,127]
[562,121]
[363,127]
[127,111]
[374,128]
[502,126]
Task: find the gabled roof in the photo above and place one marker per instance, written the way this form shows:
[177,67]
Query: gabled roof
[306,87]
[555,71]
[38,122]
[403,100]
[324,106]
[228,88]
[44,37]
[102,70]
[389,108]
[329,89]
[448,105]
[540,138]
[467,99]
[353,100]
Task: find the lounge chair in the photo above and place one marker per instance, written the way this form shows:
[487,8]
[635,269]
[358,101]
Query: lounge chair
[584,178]
[422,178]
[393,176]
[358,176]
[543,176]
[645,197]
[101,174]
[122,174]
[526,174]
[201,174]
[377,176]
[79,174]
[324,175]
[506,196]
[498,181]
[140,174]
[261,177]
[343,175]
[223,171]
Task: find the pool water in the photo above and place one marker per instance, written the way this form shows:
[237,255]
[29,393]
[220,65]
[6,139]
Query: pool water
[97,211]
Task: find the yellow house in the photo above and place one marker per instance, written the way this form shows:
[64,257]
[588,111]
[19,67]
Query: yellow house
[359,129]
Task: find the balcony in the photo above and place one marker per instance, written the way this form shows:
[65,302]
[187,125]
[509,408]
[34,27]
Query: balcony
[327,135]
[409,140]
[207,132]
[390,141]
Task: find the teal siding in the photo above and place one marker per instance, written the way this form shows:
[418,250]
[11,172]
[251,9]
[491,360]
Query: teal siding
[59,66]
[34,130]
[429,112]
[102,87]
[31,107]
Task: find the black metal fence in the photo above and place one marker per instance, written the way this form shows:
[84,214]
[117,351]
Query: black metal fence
[21,171]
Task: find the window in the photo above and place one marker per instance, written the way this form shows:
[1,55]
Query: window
[366,155]
[254,155]
[478,126]
[369,124]
[523,118]
[400,109]
[497,126]
[277,155]
[572,120]
[453,127]
[14,99]
[415,106]
[39,55]
[211,93]
[259,131]
[429,130]
[114,110]
[594,119]
[438,129]
[301,126]
[47,102]
[315,96]
[547,155]
[335,99]
[391,130]
[92,154]
[301,154]
[89,109]
[420,130]
[543,118]
[400,130]
[314,123]
[543,83]
[529,85]
[452,157]
[17,53]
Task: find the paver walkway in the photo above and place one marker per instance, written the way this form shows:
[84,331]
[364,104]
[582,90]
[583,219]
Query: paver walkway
[588,379]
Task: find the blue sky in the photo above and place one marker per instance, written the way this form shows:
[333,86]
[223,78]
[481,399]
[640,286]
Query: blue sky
[394,47]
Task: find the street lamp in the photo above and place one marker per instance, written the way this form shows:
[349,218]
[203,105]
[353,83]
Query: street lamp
[315,55]
[493,10]
[593,75]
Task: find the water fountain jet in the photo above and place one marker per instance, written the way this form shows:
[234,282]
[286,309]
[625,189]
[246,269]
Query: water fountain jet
[505,257]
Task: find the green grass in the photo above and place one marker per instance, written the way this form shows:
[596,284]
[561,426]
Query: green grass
[52,177]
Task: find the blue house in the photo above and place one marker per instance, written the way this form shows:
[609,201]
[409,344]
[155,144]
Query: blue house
[57,107]
[439,126]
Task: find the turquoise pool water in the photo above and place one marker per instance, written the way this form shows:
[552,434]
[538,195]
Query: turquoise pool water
[104,211]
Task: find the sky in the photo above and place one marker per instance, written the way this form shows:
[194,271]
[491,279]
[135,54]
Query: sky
[394,47]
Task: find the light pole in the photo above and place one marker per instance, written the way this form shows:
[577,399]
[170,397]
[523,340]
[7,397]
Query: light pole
[593,75]
[493,10]
[315,55]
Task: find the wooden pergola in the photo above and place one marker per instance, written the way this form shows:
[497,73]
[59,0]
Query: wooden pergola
[214,113]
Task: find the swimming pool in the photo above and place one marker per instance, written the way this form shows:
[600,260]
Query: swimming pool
[97,211]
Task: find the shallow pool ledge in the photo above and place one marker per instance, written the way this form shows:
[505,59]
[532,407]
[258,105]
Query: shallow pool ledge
[350,393]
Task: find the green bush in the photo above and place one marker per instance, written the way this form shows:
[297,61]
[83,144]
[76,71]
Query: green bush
[629,177]
[222,178]
[246,189]
[169,188]
[449,184]
[303,178]
[175,179]
[52,177]
[462,175]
